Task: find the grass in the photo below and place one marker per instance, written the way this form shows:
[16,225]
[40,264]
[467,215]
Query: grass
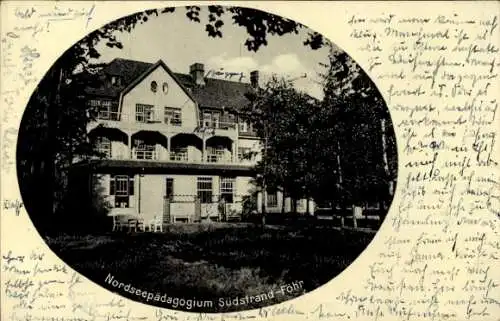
[226,260]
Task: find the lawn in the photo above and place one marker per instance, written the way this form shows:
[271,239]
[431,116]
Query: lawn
[214,261]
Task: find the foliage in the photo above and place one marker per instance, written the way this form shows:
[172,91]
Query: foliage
[258,24]
[351,116]
[333,150]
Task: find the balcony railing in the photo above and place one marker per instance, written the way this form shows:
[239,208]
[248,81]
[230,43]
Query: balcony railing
[217,158]
[145,154]
[218,125]
[151,155]
[117,116]
[111,115]
[179,156]
[153,119]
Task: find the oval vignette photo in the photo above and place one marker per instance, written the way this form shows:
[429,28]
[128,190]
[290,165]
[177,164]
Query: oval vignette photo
[207,159]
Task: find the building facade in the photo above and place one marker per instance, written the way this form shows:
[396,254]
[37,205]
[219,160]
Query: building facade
[175,145]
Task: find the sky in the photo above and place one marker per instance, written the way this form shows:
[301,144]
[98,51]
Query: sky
[179,42]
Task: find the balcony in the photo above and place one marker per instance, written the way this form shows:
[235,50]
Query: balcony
[111,115]
[214,125]
[175,157]
[154,122]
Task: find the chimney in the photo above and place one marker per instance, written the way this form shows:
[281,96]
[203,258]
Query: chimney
[197,73]
[254,78]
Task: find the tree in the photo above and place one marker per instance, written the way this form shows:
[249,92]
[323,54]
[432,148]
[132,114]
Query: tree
[258,24]
[361,132]
[285,119]
[339,149]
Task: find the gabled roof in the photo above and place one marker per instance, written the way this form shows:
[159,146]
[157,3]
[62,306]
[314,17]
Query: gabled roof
[216,93]
[128,70]
[144,74]
[219,93]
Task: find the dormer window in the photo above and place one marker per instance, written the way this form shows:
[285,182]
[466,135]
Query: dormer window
[115,81]
[243,126]
[154,86]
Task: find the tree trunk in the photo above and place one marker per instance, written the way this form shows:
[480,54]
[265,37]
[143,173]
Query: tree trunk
[340,190]
[283,198]
[49,168]
[384,156]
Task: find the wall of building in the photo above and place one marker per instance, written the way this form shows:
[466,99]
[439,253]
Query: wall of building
[150,189]
[119,150]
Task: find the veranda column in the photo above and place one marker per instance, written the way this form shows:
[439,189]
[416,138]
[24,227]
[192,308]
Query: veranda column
[311,206]
[233,152]
[203,147]
[288,204]
[259,202]
[129,144]
[168,147]
[357,211]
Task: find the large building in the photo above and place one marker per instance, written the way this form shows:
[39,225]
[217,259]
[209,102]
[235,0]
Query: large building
[175,145]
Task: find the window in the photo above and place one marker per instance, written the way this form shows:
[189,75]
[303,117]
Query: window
[243,126]
[211,119]
[227,189]
[106,109]
[205,189]
[116,80]
[95,103]
[122,187]
[144,150]
[206,119]
[154,86]
[169,189]
[215,120]
[173,116]
[244,153]
[228,121]
[179,154]
[165,88]
[144,113]
[103,145]
[215,154]
[272,199]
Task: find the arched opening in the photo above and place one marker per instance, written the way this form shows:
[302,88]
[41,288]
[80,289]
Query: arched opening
[149,145]
[111,143]
[186,148]
[219,149]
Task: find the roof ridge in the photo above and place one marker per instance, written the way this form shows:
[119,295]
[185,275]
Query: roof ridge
[131,60]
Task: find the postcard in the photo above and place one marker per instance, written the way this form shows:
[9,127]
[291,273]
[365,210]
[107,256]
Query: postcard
[249,160]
